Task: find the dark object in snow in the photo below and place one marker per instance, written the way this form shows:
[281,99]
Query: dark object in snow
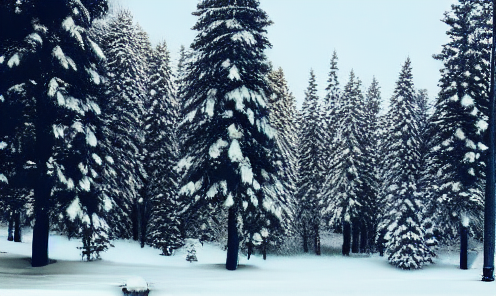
[135,293]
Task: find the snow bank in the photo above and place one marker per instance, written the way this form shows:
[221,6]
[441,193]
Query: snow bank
[136,284]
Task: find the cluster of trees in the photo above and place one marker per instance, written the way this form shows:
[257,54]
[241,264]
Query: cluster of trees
[100,139]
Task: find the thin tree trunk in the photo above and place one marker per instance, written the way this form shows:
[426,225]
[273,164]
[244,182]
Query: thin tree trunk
[305,238]
[143,224]
[135,221]
[346,238]
[317,239]
[250,249]
[364,238]
[264,249]
[10,236]
[232,241]
[17,227]
[463,247]
[355,247]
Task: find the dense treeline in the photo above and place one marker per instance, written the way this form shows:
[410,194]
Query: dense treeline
[102,138]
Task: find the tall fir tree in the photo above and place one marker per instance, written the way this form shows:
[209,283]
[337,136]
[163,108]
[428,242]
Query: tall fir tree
[283,114]
[461,119]
[162,155]
[124,114]
[401,220]
[53,60]
[310,172]
[345,196]
[229,142]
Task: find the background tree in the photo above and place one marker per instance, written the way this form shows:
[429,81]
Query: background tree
[162,155]
[310,172]
[402,217]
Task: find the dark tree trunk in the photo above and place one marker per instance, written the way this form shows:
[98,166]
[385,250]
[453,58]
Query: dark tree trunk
[305,238]
[17,227]
[42,186]
[364,238]
[463,247]
[250,249]
[10,236]
[317,239]
[135,221]
[40,238]
[264,249]
[355,246]
[232,241]
[346,238]
[143,223]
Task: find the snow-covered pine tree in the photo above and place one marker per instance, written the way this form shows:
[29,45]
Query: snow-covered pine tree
[126,89]
[229,142]
[330,114]
[401,220]
[53,60]
[162,155]
[282,116]
[310,172]
[461,119]
[371,174]
[344,186]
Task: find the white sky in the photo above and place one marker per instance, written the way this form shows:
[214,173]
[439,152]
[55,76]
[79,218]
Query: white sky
[372,37]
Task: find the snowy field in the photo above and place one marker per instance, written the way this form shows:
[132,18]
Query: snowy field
[330,274]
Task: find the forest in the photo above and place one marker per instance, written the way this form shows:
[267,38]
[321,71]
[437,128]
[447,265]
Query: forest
[103,138]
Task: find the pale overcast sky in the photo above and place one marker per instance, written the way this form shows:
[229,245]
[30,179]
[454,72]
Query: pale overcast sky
[372,37]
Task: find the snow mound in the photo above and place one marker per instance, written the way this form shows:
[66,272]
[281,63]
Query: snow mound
[136,284]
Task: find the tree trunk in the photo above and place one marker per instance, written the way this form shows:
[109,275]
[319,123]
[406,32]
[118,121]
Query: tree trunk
[364,238]
[463,247]
[143,224]
[317,239]
[264,249]
[355,247]
[135,221]
[40,238]
[10,236]
[305,238]
[232,241]
[17,227]
[250,249]
[346,238]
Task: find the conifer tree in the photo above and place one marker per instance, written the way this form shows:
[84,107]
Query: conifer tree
[461,119]
[401,220]
[310,172]
[229,142]
[283,119]
[126,89]
[53,60]
[162,155]
[345,185]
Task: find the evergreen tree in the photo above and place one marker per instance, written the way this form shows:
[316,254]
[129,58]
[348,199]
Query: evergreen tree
[162,155]
[283,119]
[126,89]
[344,195]
[402,218]
[229,139]
[52,59]
[461,119]
[310,172]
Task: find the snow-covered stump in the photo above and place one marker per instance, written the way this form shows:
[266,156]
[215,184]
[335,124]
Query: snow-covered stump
[136,286]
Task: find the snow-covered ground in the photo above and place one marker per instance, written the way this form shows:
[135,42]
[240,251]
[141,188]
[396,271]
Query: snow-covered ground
[329,274]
